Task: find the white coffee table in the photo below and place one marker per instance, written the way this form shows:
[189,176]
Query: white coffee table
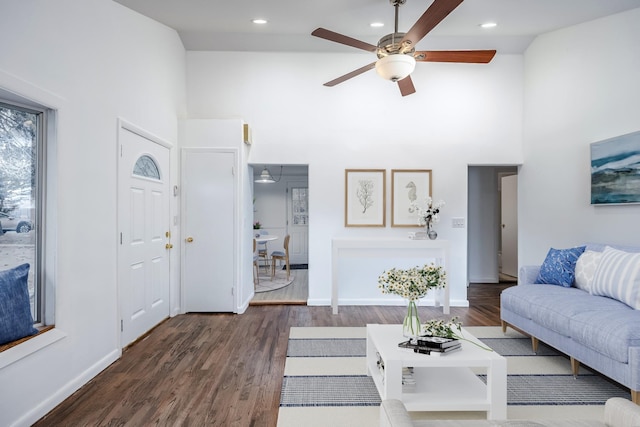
[444,382]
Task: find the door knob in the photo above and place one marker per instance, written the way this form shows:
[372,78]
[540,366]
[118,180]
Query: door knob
[168,246]
[189,239]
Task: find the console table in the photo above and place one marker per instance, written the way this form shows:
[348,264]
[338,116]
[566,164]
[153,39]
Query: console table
[390,247]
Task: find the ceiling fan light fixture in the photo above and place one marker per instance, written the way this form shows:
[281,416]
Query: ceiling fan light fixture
[395,67]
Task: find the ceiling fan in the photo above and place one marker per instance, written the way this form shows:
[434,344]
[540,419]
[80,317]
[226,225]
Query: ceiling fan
[396,51]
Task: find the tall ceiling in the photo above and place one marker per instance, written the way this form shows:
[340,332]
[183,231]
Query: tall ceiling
[218,25]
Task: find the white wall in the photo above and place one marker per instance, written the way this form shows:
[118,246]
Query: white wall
[462,114]
[96,61]
[581,86]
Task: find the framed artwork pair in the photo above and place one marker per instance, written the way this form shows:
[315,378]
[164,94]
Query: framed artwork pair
[365,196]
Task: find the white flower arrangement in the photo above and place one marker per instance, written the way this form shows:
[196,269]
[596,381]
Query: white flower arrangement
[448,329]
[413,283]
[427,212]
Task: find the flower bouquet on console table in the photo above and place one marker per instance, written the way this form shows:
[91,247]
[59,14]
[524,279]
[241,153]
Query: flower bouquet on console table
[428,214]
[412,284]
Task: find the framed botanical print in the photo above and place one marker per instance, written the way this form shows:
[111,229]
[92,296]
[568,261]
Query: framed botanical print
[364,198]
[407,186]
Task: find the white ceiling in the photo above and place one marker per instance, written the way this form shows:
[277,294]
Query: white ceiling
[219,25]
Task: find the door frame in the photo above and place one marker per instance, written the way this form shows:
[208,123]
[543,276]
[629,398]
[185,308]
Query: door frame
[124,125]
[514,205]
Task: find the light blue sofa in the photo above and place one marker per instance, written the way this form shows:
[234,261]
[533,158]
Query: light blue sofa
[598,331]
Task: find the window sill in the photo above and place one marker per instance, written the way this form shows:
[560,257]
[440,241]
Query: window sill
[30,345]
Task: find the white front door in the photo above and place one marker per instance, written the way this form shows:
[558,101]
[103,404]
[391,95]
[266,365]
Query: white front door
[298,221]
[143,223]
[509,218]
[209,224]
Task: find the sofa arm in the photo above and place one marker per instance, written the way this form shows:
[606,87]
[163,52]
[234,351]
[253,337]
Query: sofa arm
[528,274]
[619,412]
[394,414]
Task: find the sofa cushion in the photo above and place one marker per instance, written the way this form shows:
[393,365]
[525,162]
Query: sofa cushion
[15,312]
[608,332]
[552,306]
[559,266]
[521,298]
[586,269]
[618,276]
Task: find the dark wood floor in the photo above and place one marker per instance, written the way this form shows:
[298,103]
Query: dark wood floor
[224,369]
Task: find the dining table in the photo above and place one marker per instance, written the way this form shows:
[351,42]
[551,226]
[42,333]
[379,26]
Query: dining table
[264,238]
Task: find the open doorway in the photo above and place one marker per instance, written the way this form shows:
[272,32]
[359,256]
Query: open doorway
[280,209]
[492,224]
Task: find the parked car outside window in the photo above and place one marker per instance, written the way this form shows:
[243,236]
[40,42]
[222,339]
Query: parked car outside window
[10,223]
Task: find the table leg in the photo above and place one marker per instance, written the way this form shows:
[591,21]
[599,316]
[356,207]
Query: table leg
[497,389]
[392,380]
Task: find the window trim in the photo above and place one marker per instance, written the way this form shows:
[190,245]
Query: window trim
[33,344]
[17,92]
[39,300]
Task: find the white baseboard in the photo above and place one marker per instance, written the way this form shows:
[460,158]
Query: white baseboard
[386,302]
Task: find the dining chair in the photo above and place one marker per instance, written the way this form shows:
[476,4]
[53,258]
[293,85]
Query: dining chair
[281,256]
[256,270]
[263,250]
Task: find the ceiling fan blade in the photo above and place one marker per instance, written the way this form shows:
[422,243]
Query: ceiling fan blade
[469,56]
[438,10]
[350,75]
[406,86]
[342,39]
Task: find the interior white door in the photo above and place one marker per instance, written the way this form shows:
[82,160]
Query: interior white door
[509,215]
[143,222]
[209,224]
[298,221]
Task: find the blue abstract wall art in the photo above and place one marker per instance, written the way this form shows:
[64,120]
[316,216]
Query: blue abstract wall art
[615,170]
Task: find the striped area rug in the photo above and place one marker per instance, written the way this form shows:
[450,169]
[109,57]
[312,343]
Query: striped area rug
[326,384]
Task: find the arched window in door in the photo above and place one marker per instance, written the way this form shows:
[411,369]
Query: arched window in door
[145,166]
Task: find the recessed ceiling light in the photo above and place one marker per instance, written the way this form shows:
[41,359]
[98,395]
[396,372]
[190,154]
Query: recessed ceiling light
[259,21]
[377,24]
[489,25]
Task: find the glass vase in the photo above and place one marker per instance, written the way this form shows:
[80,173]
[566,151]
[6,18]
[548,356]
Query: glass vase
[411,324]
[431,233]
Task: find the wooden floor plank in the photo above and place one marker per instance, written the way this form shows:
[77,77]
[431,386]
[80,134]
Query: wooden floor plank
[224,369]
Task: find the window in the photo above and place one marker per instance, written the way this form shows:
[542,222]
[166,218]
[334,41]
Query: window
[299,201]
[22,180]
[145,166]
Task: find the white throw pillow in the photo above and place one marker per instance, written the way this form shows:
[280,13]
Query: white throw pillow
[586,269]
[618,276]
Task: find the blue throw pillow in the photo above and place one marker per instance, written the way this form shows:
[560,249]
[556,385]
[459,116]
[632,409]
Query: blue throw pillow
[15,314]
[559,267]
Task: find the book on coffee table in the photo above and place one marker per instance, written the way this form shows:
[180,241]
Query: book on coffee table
[437,342]
[417,348]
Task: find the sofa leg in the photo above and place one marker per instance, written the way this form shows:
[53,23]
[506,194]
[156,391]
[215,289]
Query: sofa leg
[635,397]
[534,344]
[504,326]
[575,367]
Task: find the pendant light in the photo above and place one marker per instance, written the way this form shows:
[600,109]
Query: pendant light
[266,177]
